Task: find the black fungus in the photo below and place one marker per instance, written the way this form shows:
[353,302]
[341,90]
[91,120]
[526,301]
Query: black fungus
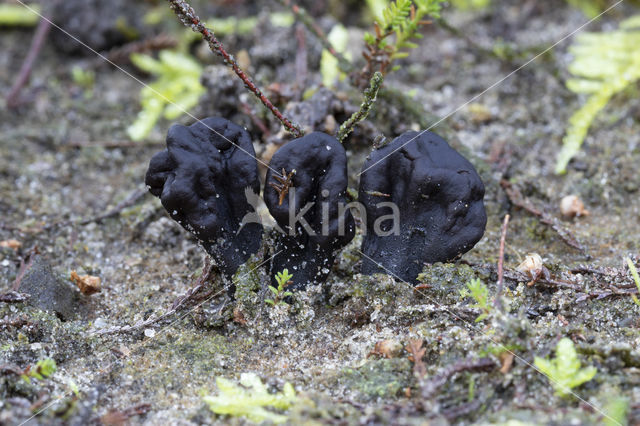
[311,208]
[207,179]
[439,199]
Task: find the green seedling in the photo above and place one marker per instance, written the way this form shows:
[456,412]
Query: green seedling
[564,371]
[43,369]
[283,279]
[251,400]
[479,292]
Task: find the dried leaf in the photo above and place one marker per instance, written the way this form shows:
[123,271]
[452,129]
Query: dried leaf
[88,284]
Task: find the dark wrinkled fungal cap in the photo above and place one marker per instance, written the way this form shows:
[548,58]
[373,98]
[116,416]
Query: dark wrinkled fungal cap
[439,197]
[320,162]
[203,181]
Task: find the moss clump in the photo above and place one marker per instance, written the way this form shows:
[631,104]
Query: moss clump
[248,280]
[444,279]
[380,378]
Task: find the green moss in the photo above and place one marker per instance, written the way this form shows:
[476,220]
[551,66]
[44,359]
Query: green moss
[445,279]
[378,378]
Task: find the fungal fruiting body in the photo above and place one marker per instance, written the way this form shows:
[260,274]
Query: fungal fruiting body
[309,206]
[204,179]
[439,200]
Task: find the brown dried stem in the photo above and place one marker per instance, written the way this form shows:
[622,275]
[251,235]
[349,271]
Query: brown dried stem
[302,16]
[13,98]
[516,198]
[503,238]
[188,17]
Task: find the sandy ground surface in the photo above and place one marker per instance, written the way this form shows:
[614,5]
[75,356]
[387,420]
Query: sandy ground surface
[66,160]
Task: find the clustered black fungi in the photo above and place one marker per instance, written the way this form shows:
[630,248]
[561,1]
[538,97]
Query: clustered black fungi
[204,180]
[207,179]
[311,213]
[439,196]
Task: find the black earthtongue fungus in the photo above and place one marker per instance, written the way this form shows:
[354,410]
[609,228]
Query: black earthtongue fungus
[311,214]
[204,180]
[439,199]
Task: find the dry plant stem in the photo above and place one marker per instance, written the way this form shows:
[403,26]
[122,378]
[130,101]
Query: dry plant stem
[193,294]
[503,238]
[370,96]
[13,98]
[302,16]
[187,15]
[14,297]
[516,198]
[430,387]
[416,352]
[122,54]
[301,60]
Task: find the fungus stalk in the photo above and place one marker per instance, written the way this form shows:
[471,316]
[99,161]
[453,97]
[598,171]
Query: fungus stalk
[188,17]
[370,96]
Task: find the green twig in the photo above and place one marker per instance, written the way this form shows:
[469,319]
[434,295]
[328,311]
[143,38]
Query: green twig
[370,96]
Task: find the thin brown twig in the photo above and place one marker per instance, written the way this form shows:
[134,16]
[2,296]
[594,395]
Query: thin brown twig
[188,17]
[503,238]
[301,15]
[301,60]
[430,387]
[416,352]
[14,297]
[13,98]
[121,54]
[516,197]
[191,295]
[25,264]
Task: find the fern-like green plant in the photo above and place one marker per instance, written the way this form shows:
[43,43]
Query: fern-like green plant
[400,20]
[564,371]
[176,89]
[251,400]
[283,279]
[479,292]
[605,64]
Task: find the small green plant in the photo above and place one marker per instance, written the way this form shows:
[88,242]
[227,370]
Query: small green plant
[479,292]
[636,279]
[471,4]
[16,14]
[176,89]
[251,399]
[616,411]
[564,371]
[44,368]
[605,64]
[591,8]
[85,79]
[284,279]
[400,21]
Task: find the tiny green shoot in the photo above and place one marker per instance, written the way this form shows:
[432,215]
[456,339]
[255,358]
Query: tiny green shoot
[479,292]
[283,279]
[43,369]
